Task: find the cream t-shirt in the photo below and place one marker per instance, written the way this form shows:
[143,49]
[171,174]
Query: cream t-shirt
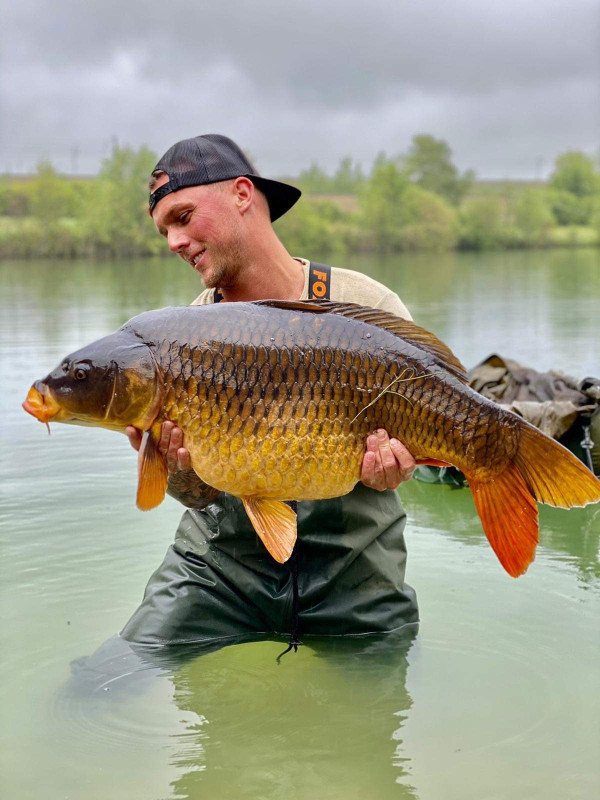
[346,286]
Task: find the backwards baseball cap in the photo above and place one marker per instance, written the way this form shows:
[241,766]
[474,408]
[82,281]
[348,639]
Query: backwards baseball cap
[212,158]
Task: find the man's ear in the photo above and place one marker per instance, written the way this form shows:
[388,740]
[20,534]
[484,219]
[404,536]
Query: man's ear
[244,193]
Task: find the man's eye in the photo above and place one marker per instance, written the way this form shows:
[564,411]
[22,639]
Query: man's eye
[185,217]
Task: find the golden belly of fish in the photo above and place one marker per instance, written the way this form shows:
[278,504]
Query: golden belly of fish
[274,422]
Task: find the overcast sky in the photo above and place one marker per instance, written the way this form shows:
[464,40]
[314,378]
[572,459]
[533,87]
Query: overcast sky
[509,84]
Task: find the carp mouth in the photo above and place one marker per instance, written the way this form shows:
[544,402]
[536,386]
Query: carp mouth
[41,404]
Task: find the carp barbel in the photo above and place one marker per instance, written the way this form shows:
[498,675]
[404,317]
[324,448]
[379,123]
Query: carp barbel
[276,398]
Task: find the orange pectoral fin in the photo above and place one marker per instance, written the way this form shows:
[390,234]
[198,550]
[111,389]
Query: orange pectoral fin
[432,462]
[152,471]
[275,523]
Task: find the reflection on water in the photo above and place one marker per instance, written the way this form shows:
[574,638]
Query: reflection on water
[572,536]
[500,686]
[539,307]
[277,720]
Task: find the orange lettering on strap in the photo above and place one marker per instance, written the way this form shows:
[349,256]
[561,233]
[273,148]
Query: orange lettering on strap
[322,276]
[319,289]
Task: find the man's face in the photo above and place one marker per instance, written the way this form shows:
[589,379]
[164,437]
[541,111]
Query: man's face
[202,225]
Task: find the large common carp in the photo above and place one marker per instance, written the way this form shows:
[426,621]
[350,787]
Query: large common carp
[276,399]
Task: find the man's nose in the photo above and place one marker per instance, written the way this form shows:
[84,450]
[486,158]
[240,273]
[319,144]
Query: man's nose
[177,241]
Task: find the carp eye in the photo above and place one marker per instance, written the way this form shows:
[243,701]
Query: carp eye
[80,373]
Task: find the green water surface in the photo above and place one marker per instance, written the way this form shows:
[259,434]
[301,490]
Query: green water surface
[497,697]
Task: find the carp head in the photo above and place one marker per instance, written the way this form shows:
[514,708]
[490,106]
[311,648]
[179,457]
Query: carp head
[111,383]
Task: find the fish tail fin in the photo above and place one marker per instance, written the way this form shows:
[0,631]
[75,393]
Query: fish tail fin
[554,475]
[541,470]
[509,515]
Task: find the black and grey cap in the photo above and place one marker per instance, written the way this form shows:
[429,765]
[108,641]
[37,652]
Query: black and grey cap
[212,158]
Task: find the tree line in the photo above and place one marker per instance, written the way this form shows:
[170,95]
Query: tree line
[415,201]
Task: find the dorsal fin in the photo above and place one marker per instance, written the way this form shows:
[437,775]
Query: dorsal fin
[381,319]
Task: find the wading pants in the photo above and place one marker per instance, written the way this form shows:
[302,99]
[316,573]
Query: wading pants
[218,582]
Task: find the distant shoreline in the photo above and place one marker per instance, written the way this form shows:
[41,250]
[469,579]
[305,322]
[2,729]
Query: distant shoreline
[416,202]
[30,238]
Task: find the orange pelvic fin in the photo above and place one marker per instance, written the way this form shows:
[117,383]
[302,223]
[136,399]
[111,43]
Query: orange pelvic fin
[275,523]
[432,462]
[152,471]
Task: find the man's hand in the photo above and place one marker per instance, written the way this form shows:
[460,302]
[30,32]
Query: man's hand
[387,463]
[170,446]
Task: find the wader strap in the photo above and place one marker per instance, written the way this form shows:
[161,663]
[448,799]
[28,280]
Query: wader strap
[319,281]
[293,562]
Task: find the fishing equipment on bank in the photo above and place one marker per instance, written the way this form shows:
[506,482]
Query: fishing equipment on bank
[559,405]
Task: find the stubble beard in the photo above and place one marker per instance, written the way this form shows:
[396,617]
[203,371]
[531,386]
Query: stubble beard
[226,266]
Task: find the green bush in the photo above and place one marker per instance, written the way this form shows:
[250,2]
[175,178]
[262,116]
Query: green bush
[114,217]
[481,224]
[575,172]
[382,206]
[569,209]
[15,201]
[433,223]
[31,238]
[595,215]
[309,227]
[532,220]
[50,195]
[348,178]
[429,164]
[575,236]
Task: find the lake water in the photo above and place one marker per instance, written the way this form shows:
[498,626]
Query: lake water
[497,697]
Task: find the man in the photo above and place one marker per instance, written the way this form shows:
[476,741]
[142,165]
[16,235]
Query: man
[217,582]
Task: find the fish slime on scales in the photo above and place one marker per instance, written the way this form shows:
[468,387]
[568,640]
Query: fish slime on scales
[276,399]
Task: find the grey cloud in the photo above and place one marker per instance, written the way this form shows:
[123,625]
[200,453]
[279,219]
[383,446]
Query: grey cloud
[308,80]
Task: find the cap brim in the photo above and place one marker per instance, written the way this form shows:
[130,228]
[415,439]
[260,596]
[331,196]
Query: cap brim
[280,196]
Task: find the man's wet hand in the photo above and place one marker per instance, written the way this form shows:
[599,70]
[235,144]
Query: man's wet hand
[170,446]
[387,463]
